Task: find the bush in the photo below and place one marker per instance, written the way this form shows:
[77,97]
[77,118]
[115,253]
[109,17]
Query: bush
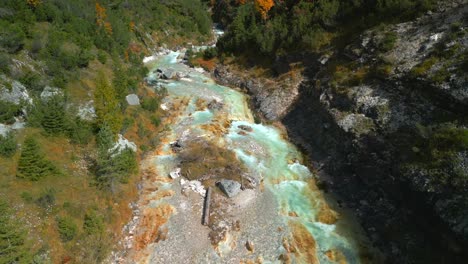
[32,81]
[7,145]
[8,111]
[13,246]
[424,67]
[5,63]
[47,198]
[150,104]
[102,57]
[66,228]
[27,197]
[210,53]
[93,223]
[155,120]
[11,37]
[79,131]
[388,41]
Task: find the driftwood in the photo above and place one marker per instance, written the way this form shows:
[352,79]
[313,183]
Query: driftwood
[206,208]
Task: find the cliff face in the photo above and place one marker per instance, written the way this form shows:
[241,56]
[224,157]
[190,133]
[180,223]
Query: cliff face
[385,121]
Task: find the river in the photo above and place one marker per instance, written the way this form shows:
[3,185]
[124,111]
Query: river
[280,216]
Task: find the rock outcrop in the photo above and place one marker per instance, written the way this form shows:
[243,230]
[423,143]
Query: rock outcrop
[370,126]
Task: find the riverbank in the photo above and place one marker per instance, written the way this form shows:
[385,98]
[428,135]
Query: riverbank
[209,135]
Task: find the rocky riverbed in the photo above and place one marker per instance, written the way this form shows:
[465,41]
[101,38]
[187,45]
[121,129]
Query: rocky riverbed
[265,206]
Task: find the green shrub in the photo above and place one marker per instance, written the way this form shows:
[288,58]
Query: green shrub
[12,37]
[150,104]
[13,246]
[66,228]
[155,120]
[388,41]
[8,111]
[210,53]
[424,67]
[102,57]
[46,198]
[7,145]
[93,223]
[27,197]
[79,131]
[5,62]
[32,81]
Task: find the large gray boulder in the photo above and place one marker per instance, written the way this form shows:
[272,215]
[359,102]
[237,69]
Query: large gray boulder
[229,187]
[132,99]
[14,92]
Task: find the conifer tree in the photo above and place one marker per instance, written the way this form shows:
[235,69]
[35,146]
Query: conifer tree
[54,119]
[107,104]
[13,247]
[7,145]
[32,164]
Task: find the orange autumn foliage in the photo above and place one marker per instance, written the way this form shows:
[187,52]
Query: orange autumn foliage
[101,18]
[100,14]
[34,3]
[263,6]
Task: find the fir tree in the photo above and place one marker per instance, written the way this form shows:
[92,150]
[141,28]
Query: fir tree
[13,247]
[54,119]
[7,145]
[107,104]
[32,164]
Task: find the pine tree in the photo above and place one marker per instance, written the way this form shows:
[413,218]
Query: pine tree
[32,164]
[54,119]
[7,145]
[13,247]
[107,104]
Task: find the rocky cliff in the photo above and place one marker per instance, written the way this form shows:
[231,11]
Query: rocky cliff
[385,122]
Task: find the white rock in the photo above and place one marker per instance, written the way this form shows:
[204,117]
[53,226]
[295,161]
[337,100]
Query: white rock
[175,174]
[132,99]
[198,69]
[4,129]
[123,143]
[87,111]
[195,186]
[149,58]
[50,91]
[16,94]
[436,36]
[164,107]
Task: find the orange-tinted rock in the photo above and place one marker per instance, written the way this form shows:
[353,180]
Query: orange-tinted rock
[336,256]
[292,214]
[304,243]
[326,215]
[150,223]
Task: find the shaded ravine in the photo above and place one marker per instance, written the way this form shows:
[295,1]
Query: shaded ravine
[281,212]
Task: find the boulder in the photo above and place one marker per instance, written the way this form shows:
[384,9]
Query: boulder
[175,173]
[195,186]
[169,74]
[215,105]
[245,128]
[14,93]
[50,92]
[132,99]
[250,246]
[86,111]
[229,187]
[123,143]
[4,129]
